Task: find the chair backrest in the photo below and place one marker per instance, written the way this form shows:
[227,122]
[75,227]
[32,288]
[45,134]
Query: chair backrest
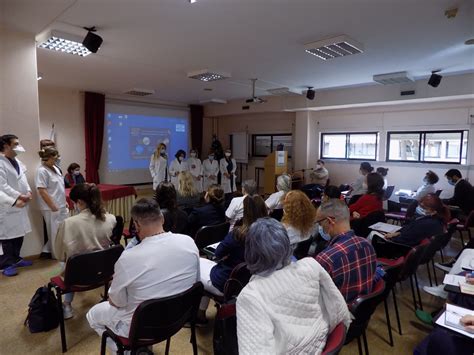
[92,268]
[159,319]
[211,234]
[470,220]
[412,260]
[388,249]
[277,214]
[438,192]
[117,232]
[239,278]
[435,243]
[335,340]
[392,272]
[361,226]
[388,192]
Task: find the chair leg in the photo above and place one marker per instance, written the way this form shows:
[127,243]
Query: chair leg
[62,329]
[442,255]
[413,292]
[106,292]
[103,343]
[366,346]
[167,349]
[418,291]
[462,238]
[429,272]
[434,272]
[193,338]
[359,345]
[389,326]
[396,311]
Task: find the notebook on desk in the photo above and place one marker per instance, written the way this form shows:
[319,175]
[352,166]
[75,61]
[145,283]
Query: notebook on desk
[451,319]
[385,227]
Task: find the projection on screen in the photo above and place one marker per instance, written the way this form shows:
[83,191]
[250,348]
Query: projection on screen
[132,139]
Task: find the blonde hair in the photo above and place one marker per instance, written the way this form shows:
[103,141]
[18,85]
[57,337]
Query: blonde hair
[157,152]
[298,211]
[186,185]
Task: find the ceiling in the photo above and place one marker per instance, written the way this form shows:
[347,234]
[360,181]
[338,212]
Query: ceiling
[152,44]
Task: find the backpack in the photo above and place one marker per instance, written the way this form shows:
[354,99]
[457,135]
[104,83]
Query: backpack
[43,312]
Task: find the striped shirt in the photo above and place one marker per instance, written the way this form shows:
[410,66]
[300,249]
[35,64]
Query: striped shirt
[351,261]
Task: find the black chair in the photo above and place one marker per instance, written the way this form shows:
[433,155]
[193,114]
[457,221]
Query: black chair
[466,227]
[362,309]
[239,278]
[388,192]
[438,192]
[277,214]
[208,235]
[436,244]
[84,272]
[361,225]
[159,319]
[302,248]
[117,232]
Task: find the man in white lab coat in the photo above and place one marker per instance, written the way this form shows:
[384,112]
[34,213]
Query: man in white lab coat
[15,221]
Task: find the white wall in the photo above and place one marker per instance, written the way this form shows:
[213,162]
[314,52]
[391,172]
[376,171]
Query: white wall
[64,108]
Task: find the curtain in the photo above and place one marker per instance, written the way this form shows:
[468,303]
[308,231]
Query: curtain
[94,111]
[197,113]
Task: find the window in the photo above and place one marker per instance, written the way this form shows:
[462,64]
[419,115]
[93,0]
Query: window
[356,146]
[430,147]
[264,144]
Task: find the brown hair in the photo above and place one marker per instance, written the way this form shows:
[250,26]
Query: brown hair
[47,143]
[72,167]
[186,186]
[47,153]
[375,185]
[433,202]
[157,152]
[90,194]
[216,194]
[254,208]
[298,211]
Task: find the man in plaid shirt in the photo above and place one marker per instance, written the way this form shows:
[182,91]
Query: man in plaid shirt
[350,260]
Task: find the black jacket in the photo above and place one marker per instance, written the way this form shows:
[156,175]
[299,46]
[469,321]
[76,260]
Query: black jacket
[206,215]
[463,196]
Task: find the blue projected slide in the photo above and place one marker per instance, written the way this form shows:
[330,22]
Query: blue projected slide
[132,139]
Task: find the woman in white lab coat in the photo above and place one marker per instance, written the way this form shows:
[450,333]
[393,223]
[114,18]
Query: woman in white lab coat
[178,165]
[228,166]
[158,165]
[14,222]
[195,168]
[52,195]
[210,169]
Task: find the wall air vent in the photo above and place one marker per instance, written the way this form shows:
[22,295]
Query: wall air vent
[393,78]
[334,47]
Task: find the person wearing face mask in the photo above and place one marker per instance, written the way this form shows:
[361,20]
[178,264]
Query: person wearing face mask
[158,165]
[48,143]
[73,176]
[211,213]
[349,260]
[210,169]
[463,192]
[320,175]
[195,168]
[89,230]
[15,223]
[177,166]
[432,220]
[359,187]
[52,195]
[228,166]
[428,186]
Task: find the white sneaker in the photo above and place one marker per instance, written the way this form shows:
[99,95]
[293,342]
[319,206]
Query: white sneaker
[437,291]
[68,312]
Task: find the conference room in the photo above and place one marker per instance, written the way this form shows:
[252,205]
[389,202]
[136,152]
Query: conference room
[177,175]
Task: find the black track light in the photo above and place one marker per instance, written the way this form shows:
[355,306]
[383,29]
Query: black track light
[435,79]
[310,93]
[92,41]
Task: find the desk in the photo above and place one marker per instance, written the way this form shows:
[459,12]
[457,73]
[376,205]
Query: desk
[118,199]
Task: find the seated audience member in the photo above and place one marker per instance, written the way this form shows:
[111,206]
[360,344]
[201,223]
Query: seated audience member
[89,230]
[299,216]
[162,265]
[463,192]
[229,253]
[428,186]
[275,200]
[359,187]
[383,173]
[187,194]
[331,192]
[297,301]
[73,176]
[349,260]
[236,208]
[433,219]
[371,201]
[211,213]
[176,220]
[320,175]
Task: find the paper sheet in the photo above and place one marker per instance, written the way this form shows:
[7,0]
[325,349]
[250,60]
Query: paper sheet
[454,314]
[453,280]
[385,227]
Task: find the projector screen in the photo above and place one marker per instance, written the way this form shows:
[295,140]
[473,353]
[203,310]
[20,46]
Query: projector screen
[131,134]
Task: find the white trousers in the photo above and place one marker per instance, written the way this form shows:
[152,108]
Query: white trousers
[466,257]
[205,266]
[53,220]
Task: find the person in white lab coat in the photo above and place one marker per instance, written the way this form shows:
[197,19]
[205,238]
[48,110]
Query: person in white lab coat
[228,166]
[178,165]
[195,168]
[210,169]
[15,223]
[52,195]
[158,165]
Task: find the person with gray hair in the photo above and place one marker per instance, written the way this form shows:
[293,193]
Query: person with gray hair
[163,264]
[275,200]
[235,211]
[286,308]
[350,260]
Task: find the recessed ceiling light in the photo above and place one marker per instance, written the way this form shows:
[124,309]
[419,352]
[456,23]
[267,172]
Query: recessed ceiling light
[63,42]
[340,46]
[207,75]
[192,1]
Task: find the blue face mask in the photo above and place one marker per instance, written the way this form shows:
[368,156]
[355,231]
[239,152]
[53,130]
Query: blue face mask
[451,182]
[421,211]
[323,234]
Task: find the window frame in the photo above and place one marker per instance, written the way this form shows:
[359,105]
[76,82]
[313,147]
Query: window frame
[422,145]
[271,135]
[346,153]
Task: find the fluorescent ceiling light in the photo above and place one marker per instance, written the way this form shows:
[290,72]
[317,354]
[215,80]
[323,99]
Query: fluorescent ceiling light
[192,1]
[213,101]
[207,75]
[393,78]
[340,46]
[284,91]
[63,42]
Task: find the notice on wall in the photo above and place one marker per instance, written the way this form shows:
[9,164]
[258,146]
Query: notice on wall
[280,158]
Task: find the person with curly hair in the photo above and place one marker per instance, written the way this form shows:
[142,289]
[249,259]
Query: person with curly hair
[187,195]
[299,216]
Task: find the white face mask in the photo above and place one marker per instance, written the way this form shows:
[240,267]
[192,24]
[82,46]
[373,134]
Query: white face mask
[19,149]
[192,155]
[227,155]
[364,186]
[211,157]
[180,158]
[77,172]
[318,166]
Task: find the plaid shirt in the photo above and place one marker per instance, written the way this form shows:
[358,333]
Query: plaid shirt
[351,261]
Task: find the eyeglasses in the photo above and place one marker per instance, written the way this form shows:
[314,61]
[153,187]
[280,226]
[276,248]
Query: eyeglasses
[324,218]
